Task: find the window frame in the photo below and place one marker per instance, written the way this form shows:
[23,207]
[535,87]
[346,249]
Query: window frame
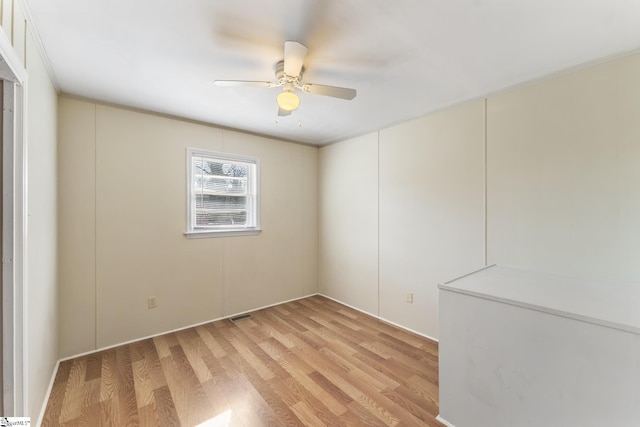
[253,180]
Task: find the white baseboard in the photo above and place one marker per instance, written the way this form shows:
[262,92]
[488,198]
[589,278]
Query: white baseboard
[238,314]
[380,318]
[443,421]
[180,329]
[48,394]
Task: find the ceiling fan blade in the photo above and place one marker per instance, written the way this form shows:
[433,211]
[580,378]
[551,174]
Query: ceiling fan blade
[333,91]
[294,54]
[230,83]
[282,112]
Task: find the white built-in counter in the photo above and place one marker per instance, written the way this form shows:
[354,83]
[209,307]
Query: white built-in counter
[524,348]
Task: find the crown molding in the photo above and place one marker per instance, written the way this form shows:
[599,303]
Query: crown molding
[32,28]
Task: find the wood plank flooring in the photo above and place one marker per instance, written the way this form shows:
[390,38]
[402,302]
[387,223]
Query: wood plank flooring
[312,362]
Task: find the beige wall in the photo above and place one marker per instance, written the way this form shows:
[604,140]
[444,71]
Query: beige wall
[431,211]
[349,222]
[562,193]
[40,288]
[564,173]
[76,264]
[41,257]
[131,167]
[401,210]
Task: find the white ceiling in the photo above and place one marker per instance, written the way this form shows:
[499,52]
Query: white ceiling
[406,58]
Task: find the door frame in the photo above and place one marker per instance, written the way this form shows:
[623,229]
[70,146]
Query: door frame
[14,227]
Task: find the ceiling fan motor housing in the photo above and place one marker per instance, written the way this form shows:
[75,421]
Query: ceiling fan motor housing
[284,78]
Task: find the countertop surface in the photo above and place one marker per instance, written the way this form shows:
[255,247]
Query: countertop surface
[610,304]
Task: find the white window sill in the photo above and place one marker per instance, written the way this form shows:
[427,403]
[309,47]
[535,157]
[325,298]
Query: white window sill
[203,234]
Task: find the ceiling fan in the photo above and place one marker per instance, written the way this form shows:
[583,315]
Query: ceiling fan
[289,77]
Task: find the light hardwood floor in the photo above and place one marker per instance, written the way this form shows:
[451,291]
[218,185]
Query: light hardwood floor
[312,362]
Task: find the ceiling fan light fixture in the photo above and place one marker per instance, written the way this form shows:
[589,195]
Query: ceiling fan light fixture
[287,100]
[289,77]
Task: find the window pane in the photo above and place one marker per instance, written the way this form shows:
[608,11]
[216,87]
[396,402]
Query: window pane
[217,168]
[222,192]
[213,219]
[210,201]
[214,184]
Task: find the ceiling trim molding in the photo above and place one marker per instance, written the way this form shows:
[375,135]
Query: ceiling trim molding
[31,27]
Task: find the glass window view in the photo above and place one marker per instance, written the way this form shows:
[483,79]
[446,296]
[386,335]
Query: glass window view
[223,191]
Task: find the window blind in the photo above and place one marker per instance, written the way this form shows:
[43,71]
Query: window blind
[223,192]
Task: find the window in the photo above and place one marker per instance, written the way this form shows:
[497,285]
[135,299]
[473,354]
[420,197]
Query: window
[222,194]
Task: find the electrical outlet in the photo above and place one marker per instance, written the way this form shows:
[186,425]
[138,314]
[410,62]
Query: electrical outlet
[410,297]
[151,302]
